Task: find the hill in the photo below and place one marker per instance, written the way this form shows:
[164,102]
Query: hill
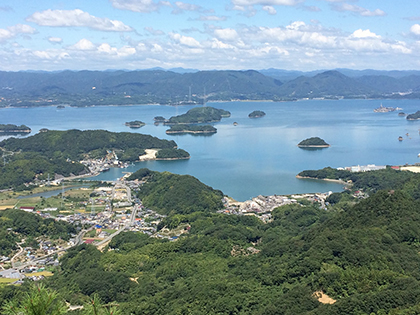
[85,88]
[76,144]
[326,84]
[176,194]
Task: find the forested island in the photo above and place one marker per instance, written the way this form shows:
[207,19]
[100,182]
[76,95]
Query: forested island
[59,152]
[313,142]
[12,129]
[199,115]
[194,129]
[414,116]
[256,114]
[135,124]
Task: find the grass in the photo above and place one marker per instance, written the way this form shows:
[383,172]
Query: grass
[41,273]
[7,280]
[110,231]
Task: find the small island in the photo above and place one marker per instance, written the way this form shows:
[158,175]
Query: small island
[195,129]
[159,119]
[415,116]
[199,115]
[313,142]
[256,114]
[13,129]
[135,124]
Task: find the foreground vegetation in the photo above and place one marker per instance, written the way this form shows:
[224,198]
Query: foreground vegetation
[362,253]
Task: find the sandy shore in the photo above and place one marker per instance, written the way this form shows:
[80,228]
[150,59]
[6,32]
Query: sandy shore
[338,181]
[150,155]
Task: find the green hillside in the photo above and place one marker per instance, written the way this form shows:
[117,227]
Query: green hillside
[178,194]
[76,144]
[364,255]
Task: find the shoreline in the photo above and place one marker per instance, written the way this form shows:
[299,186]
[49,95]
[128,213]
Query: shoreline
[314,146]
[338,181]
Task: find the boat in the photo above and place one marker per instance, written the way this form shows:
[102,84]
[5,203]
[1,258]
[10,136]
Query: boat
[235,124]
[400,138]
[383,109]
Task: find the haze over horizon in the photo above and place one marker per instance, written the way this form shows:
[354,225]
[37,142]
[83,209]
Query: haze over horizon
[300,35]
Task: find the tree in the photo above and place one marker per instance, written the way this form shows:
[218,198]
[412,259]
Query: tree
[38,301]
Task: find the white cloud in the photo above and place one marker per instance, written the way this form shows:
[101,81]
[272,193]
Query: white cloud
[212,18]
[364,34]
[244,3]
[15,30]
[143,6]
[228,34]
[77,18]
[55,40]
[357,9]
[83,44]
[185,40]
[270,10]
[415,29]
[152,31]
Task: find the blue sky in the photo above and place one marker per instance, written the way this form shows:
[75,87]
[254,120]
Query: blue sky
[219,34]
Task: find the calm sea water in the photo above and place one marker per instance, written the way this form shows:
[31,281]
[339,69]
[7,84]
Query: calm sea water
[258,156]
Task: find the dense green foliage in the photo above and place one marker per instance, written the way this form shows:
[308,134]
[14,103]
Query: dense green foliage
[17,224]
[414,116]
[373,180]
[75,144]
[256,114]
[135,124]
[22,168]
[164,154]
[177,129]
[199,115]
[172,193]
[6,128]
[313,141]
[365,255]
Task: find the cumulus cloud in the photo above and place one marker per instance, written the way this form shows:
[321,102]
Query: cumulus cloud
[364,34]
[77,18]
[83,44]
[15,30]
[55,40]
[185,40]
[415,29]
[357,9]
[143,6]
[269,9]
[227,34]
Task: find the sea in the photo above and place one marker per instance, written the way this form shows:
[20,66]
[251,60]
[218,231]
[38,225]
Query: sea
[257,156]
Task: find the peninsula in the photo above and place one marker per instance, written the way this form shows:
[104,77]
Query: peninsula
[256,114]
[313,142]
[194,129]
[199,115]
[10,128]
[135,124]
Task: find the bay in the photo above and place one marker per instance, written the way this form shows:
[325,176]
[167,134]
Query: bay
[258,156]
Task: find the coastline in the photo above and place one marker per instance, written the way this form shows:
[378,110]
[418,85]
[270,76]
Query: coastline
[314,146]
[338,181]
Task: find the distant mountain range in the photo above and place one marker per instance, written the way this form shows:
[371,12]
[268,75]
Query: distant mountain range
[81,88]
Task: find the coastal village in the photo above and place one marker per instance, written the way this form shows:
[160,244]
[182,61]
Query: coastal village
[111,208]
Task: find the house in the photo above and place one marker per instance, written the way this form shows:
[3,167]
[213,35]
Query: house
[27,209]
